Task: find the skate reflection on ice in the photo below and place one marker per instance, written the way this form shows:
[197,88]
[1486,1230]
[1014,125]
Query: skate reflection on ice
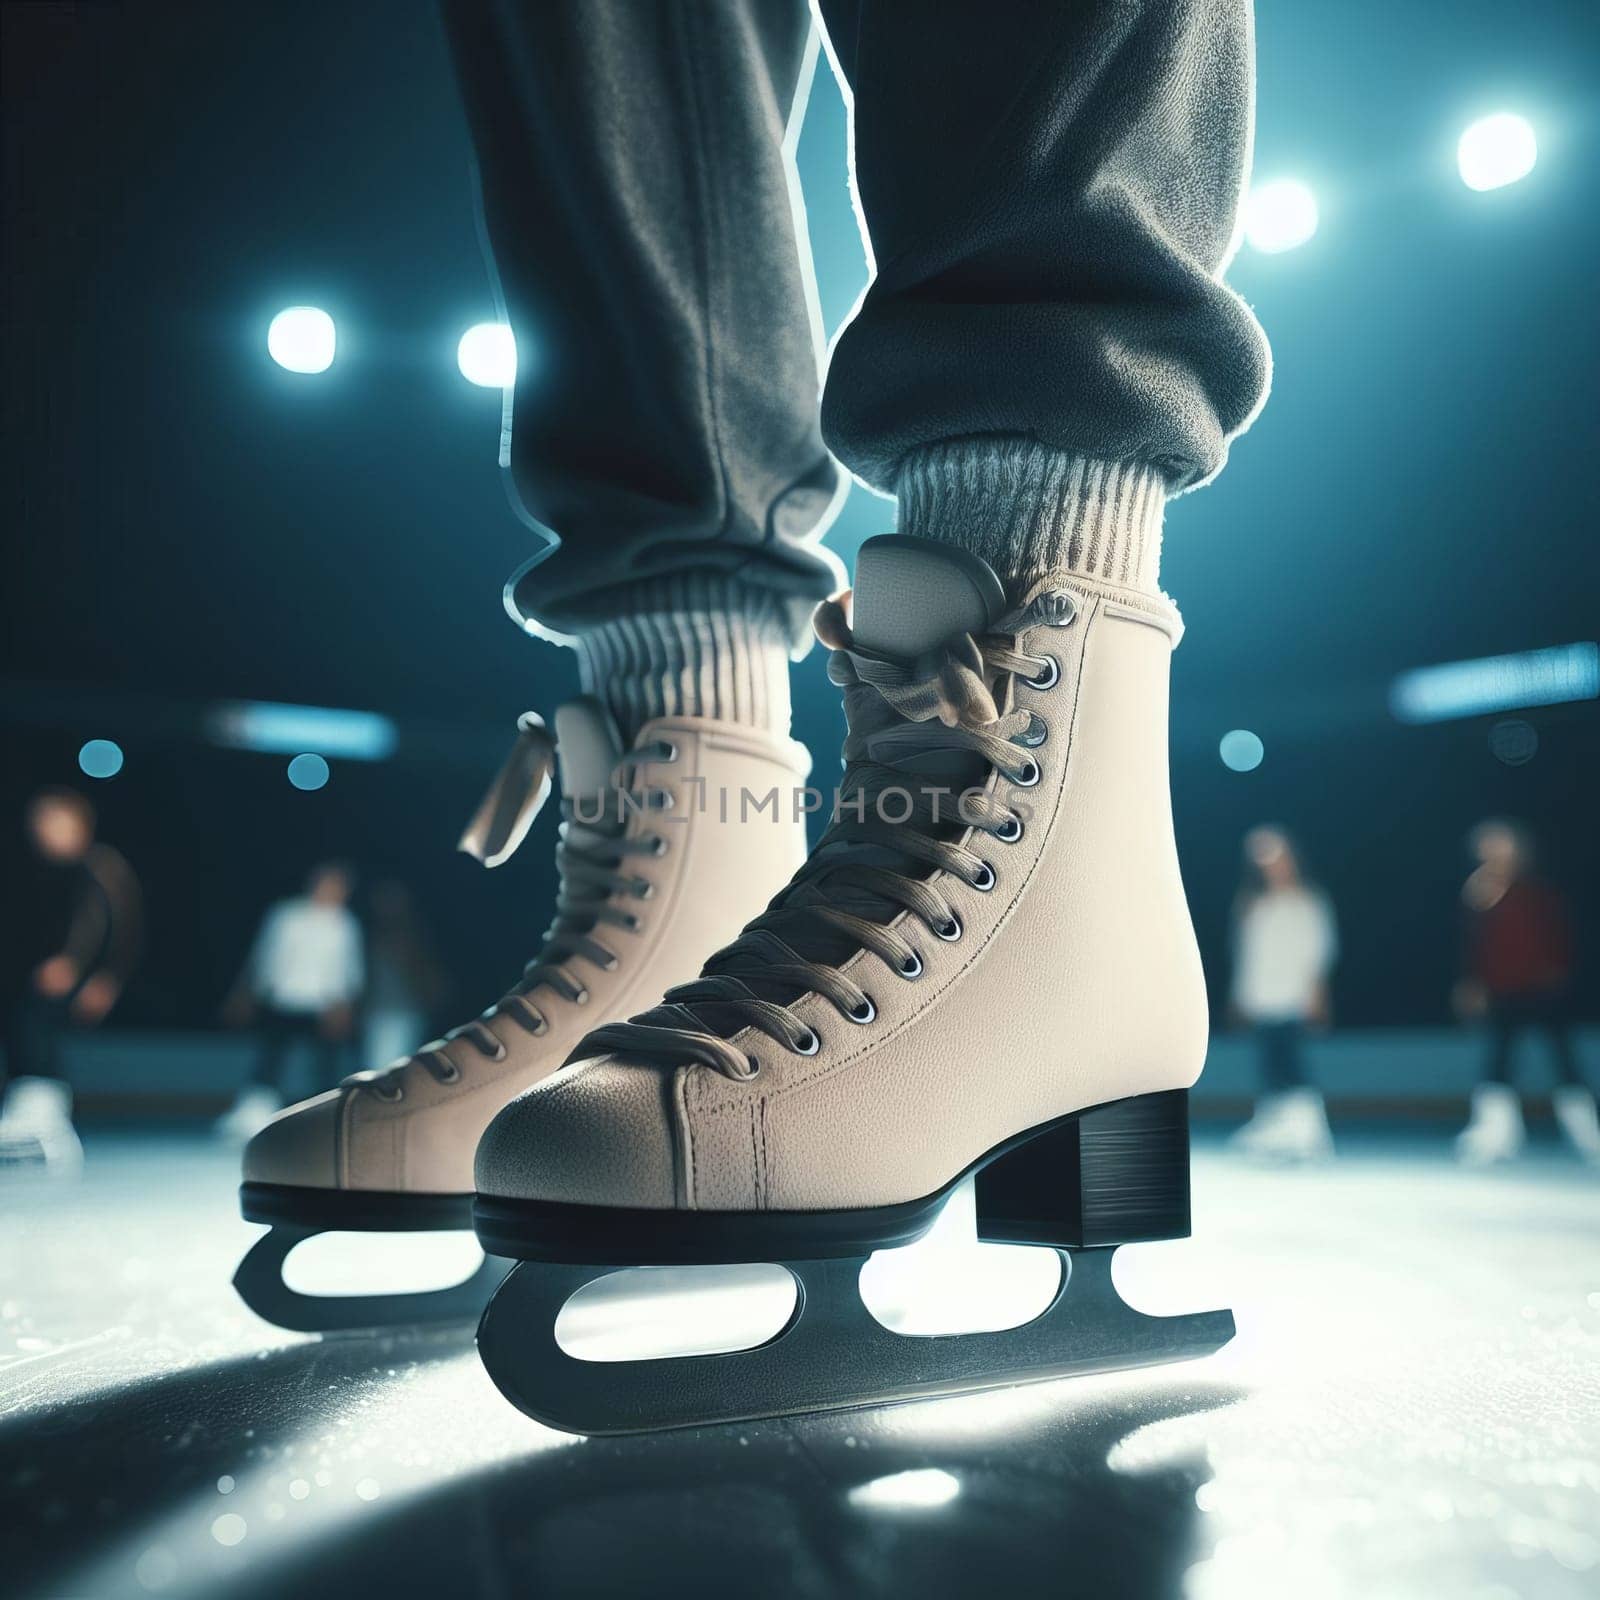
[920,1489]
[334,1264]
[645,1313]
[947,1282]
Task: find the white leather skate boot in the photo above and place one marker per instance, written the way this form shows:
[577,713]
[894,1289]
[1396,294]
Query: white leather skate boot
[1009,987]
[659,863]
[1496,1132]
[36,1125]
[1576,1115]
[1291,1125]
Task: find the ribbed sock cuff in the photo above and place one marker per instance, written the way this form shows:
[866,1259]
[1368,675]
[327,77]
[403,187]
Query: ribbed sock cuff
[1028,510]
[698,645]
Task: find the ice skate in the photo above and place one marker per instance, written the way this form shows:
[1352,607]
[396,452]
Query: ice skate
[1576,1116]
[654,872]
[36,1127]
[255,1106]
[1496,1132]
[1008,988]
[1290,1126]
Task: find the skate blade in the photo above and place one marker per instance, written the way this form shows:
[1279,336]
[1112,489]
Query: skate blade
[831,1355]
[260,1282]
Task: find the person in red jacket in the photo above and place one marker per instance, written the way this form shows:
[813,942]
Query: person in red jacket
[1518,971]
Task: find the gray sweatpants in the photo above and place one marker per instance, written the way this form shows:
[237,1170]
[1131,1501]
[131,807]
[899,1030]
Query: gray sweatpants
[1050,188]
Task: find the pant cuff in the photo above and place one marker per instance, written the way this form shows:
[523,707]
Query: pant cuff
[694,645]
[1029,510]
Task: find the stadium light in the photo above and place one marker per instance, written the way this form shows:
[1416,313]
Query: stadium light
[1496,151]
[302,339]
[487,355]
[1280,215]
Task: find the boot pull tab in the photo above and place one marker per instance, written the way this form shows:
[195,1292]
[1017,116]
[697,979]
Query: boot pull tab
[520,788]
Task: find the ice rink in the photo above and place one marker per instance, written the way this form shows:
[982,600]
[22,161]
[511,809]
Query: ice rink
[1411,1407]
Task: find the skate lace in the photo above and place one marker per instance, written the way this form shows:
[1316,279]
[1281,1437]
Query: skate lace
[936,716]
[592,868]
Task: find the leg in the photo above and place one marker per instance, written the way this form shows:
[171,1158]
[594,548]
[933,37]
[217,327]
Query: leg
[635,185]
[1496,1131]
[1047,350]
[1573,1100]
[1280,1056]
[1499,1046]
[274,1031]
[634,171]
[329,1054]
[35,1098]
[1044,355]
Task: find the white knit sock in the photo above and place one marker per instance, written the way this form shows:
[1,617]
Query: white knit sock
[1027,509]
[698,645]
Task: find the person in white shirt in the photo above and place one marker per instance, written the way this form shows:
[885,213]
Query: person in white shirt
[1285,945]
[301,984]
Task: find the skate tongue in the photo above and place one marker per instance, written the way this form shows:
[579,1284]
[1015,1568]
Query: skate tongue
[590,747]
[912,594]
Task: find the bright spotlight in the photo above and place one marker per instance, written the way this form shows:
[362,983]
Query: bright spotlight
[100,758]
[308,772]
[1241,750]
[1496,151]
[1280,215]
[487,355]
[302,339]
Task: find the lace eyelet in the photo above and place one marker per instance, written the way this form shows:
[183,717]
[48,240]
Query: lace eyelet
[658,845]
[1066,604]
[611,965]
[1028,777]
[911,969]
[1035,734]
[985,880]
[646,890]
[581,998]
[669,751]
[864,1013]
[1011,829]
[662,800]
[949,930]
[450,1072]
[1049,677]
[393,1096]
[813,1043]
[540,1024]
[755,1068]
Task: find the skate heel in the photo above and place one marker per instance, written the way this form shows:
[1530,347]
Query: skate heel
[1114,1174]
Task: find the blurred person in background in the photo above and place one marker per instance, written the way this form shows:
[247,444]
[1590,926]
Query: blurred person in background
[72,933]
[301,985]
[1285,942]
[1517,980]
[405,981]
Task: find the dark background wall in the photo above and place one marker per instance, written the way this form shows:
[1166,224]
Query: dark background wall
[184,521]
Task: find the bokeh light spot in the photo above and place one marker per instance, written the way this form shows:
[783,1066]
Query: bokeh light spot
[1496,151]
[487,355]
[302,339]
[100,758]
[308,772]
[1280,215]
[1241,750]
